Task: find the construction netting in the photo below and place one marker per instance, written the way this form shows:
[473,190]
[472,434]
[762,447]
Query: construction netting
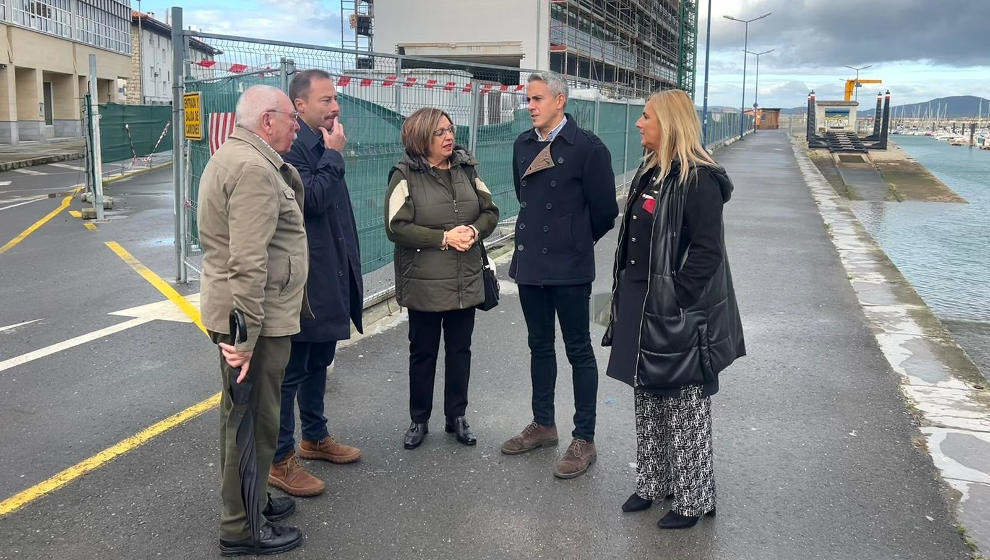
[376,93]
[134,131]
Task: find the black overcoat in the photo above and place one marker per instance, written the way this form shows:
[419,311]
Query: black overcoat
[566,204]
[690,329]
[335,288]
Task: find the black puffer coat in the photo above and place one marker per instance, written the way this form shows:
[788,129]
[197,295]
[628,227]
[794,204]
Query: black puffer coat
[690,329]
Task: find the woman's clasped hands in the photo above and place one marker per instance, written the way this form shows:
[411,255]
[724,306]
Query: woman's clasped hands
[460,238]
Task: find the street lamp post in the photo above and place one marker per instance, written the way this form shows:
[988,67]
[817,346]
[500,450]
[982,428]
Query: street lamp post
[856,85]
[756,95]
[742,107]
[704,109]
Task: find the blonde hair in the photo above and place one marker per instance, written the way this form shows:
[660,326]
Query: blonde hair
[680,135]
[417,130]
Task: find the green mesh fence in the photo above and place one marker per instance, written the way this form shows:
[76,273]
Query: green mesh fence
[128,131]
[377,92]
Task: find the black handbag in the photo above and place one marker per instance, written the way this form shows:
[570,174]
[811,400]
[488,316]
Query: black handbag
[489,280]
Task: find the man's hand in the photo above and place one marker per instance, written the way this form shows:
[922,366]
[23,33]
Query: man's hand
[335,140]
[461,238]
[236,358]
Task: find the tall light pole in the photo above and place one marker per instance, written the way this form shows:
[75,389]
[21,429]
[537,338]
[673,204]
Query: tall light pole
[756,96]
[704,109]
[856,88]
[742,106]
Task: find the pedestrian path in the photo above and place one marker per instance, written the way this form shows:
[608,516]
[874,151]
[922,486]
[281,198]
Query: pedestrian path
[815,453]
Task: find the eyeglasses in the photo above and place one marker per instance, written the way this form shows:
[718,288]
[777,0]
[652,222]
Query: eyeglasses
[441,131]
[293,114]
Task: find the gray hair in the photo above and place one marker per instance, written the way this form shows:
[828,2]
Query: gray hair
[555,82]
[255,102]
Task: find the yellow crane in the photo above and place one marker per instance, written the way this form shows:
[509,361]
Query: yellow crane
[851,86]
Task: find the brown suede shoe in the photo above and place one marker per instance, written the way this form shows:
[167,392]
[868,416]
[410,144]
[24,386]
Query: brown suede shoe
[328,449]
[533,436]
[579,456]
[290,476]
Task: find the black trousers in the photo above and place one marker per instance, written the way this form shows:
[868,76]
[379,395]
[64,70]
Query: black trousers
[571,306]
[425,328]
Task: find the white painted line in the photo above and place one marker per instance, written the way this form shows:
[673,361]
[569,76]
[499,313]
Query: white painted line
[72,342]
[5,183]
[25,202]
[11,327]
[158,311]
[26,171]
[67,166]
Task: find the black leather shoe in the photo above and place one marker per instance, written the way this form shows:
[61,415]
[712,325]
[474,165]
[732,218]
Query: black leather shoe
[279,508]
[274,539]
[636,503]
[460,428]
[675,520]
[415,434]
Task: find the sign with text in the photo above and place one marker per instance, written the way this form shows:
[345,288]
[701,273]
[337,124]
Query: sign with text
[192,104]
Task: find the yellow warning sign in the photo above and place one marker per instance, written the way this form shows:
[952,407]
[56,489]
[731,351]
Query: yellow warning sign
[193,105]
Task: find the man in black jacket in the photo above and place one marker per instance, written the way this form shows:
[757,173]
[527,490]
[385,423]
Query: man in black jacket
[334,286]
[566,189]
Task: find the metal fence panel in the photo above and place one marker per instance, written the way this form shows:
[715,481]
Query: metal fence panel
[376,93]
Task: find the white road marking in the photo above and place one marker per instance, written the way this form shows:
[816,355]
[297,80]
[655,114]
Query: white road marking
[27,171]
[36,199]
[71,343]
[158,311]
[11,327]
[67,166]
[5,183]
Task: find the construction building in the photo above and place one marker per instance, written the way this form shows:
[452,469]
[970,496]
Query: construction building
[622,47]
[44,63]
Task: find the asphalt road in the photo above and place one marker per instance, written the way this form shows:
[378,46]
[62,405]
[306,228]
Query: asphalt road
[815,451]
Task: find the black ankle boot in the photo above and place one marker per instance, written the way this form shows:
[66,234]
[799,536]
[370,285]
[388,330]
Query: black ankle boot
[674,520]
[636,503]
[459,427]
[415,434]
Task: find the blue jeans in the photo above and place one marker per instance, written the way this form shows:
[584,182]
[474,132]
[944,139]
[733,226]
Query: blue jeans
[305,382]
[571,307]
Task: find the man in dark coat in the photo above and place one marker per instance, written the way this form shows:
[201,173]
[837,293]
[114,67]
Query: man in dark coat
[334,287]
[566,189]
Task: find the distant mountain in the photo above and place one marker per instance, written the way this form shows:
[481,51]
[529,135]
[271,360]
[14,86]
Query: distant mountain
[959,106]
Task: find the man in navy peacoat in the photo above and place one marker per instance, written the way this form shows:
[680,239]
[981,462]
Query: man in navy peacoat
[334,287]
[566,189]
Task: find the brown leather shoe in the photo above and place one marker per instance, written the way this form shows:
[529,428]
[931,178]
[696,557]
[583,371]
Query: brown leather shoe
[328,449]
[533,436]
[290,476]
[579,456]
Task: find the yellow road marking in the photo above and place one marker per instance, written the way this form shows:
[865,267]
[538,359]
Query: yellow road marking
[88,465]
[156,281]
[79,469]
[75,213]
[89,226]
[65,204]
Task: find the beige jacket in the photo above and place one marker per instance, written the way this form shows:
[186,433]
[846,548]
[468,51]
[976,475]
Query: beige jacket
[251,228]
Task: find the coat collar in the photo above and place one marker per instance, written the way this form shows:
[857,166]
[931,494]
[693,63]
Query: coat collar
[310,138]
[257,143]
[567,133]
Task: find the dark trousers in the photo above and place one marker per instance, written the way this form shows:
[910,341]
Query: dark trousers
[306,383]
[570,304]
[265,373]
[424,346]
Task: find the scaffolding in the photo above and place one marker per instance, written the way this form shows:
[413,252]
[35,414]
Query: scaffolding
[625,45]
[357,29]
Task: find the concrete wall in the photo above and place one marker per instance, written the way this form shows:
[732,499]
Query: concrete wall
[460,28]
[33,58]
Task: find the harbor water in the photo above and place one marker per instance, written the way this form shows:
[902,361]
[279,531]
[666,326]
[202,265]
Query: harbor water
[943,249]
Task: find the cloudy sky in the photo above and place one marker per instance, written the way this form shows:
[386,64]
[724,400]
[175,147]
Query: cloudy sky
[921,49]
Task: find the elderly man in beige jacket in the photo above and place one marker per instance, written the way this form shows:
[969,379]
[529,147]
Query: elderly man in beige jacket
[254,259]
